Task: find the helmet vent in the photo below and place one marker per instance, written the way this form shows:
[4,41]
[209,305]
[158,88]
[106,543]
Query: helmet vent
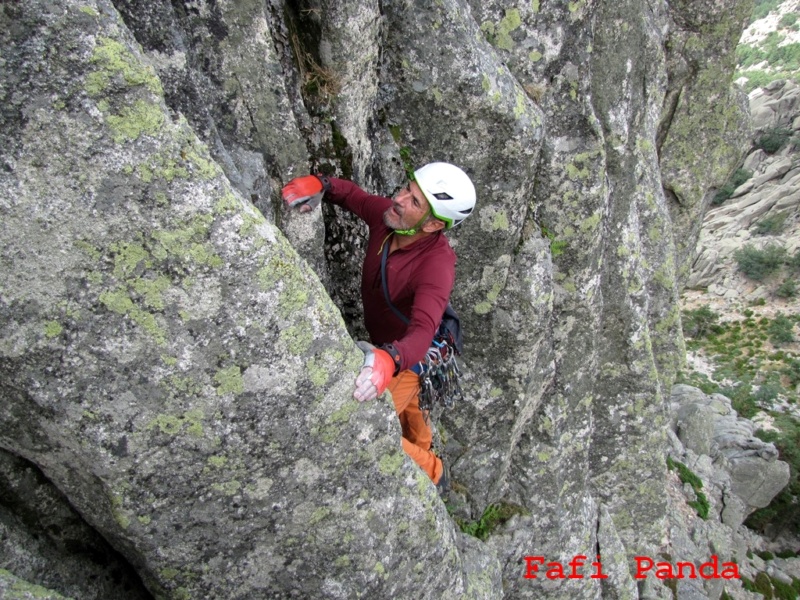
[443,196]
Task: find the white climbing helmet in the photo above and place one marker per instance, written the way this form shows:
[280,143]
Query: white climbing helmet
[448,190]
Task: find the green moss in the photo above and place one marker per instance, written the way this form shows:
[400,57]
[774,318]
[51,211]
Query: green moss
[343,414]
[483,308]
[217,461]
[520,107]
[590,223]
[151,290]
[228,203]
[52,329]
[701,505]
[292,301]
[499,35]
[343,562]
[389,464]
[88,10]
[182,593]
[116,64]
[168,424]
[173,425]
[192,235]
[202,165]
[228,488]
[318,515]
[194,422]
[317,373]
[86,247]
[117,301]
[18,589]
[120,517]
[575,6]
[127,258]
[142,118]
[298,338]
[229,381]
[535,56]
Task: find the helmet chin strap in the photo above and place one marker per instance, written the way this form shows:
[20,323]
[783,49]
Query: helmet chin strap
[416,227]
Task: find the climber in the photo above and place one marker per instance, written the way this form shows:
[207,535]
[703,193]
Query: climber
[421,270]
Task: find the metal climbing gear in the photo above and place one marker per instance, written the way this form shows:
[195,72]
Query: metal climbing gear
[438,377]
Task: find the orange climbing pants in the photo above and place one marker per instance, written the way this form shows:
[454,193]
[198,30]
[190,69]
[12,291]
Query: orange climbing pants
[417,434]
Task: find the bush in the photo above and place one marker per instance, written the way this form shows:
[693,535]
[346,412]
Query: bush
[771,225]
[757,79]
[766,393]
[794,261]
[781,330]
[786,56]
[742,399]
[763,586]
[783,513]
[788,289]
[788,20]
[772,140]
[726,191]
[783,591]
[747,56]
[762,8]
[792,371]
[700,322]
[759,264]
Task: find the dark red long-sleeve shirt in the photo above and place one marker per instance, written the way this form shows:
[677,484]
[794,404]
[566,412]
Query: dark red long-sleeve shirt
[420,277]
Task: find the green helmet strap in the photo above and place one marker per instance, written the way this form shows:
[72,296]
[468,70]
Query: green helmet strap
[416,227]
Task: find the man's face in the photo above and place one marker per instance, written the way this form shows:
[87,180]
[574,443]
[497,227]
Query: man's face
[408,208]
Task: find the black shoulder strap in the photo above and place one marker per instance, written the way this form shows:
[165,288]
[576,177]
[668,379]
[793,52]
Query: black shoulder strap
[395,310]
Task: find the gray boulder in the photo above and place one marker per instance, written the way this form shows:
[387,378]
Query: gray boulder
[708,425]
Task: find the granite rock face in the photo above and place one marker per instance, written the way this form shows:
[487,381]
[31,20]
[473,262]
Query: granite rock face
[171,358]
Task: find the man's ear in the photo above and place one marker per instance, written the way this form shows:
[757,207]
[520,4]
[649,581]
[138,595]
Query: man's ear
[432,226]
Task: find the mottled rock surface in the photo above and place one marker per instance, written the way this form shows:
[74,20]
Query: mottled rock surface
[170,355]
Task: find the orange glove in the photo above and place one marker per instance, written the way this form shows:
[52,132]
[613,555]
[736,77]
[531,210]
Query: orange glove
[376,373]
[303,192]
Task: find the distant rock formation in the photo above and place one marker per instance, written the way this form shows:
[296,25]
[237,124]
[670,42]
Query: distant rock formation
[773,192]
[739,473]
